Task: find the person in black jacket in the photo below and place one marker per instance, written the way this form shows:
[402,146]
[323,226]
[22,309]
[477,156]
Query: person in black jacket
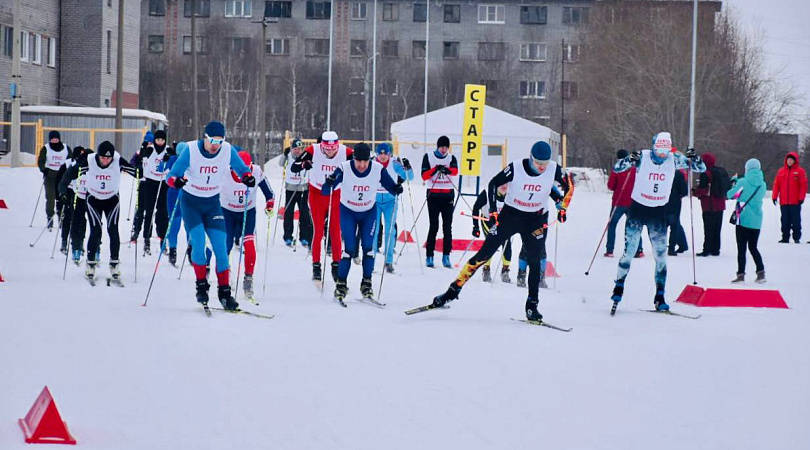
[438,169]
[51,162]
[150,161]
[677,235]
[481,202]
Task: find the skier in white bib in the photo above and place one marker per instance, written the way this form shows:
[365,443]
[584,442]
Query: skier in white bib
[655,172]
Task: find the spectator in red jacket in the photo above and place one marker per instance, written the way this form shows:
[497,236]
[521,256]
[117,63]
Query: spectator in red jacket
[622,186]
[711,193]
[790,188]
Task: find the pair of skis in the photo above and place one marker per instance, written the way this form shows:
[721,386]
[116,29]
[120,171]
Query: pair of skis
[208,312]
[110,281]
[540,323]
[664,312]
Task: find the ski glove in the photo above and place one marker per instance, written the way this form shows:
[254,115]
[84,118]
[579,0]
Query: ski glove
[306,165]
[406,164]
[398,189]
[774,202]
[177,183]
[268,208]
[249,180]
[561,215]
[691,153]
[443,169]
[476,231]
[635,156]
[492,223]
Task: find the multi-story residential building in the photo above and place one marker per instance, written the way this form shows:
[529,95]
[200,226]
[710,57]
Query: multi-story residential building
[515,47]
[68,52]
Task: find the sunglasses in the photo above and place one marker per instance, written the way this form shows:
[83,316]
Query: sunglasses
[330,142]
[214,141]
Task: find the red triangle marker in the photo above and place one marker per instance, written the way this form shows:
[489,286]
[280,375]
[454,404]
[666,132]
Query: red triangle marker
[43,424]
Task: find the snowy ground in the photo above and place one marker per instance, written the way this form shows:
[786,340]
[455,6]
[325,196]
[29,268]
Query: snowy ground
[322,377]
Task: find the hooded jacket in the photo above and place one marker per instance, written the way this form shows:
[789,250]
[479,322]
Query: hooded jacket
[621,183]
[751,215]
[790,184]
[707,202]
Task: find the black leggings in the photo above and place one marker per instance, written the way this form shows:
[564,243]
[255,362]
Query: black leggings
[440,205]
[748,237]
[95,210]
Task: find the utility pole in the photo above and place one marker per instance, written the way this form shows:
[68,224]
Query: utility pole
[374,80]
[16,89]
[563,140]
[119,80]
[427,58]
[195,118]
[263,90]
[331,49]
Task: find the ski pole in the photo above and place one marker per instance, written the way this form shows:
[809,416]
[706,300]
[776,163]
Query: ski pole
[58,229]
[388,244]
[70,231]
[556,245]
[283,178]
[326,238]
[278,216]
[148,226]
[242,241]
[182,264]
[129,208]
[266,253]
[41,188]
[692,226]
[607,225]
[157,264]
[413,227]
[465,252]
[40,235]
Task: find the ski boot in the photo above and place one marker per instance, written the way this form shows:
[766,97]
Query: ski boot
[505,275]
[288,242]
[760,276]
[446,261]
[356,260]
[304,243]
[50,223]
[618,291]
[429,261]
[365,288]
[485,273]
[173,256]
[115,272]
[90,272]
[64,248]
[521,278]
[77,256]
[389,267]
[202,291]
[147,248]
[340,291]
[335,270]
[740,278]
[531,310]
[448,296]
[247,285]
[659,302]
[543,284]
[316,272]
[226,299]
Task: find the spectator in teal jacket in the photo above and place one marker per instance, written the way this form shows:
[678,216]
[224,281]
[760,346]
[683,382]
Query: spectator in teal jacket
[749,192]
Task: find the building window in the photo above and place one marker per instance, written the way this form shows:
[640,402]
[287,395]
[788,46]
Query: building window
[391,12]
[109,51]
[491,13]
[51,52]
[37,57]
[570,89]
[239,45]
[8,41]
[202,8]
[24,45]
[155,44]
[492,85]
[389,86]
[316,47]
[355,121]
[576,14]
[319,10]
[533,51]
[571,53]
[278,9]
[277,46]
[450,50]
[615,15]
[533,15]
[533,89]
[357,85]
[452,13]
[390,49]
[494,150]
[157,7]
[359,11]
[419,50]
[357,48]
[419,12]
[238,8]
[201,45]
[491,51]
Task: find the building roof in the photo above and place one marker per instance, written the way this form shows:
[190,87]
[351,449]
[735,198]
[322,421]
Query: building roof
[96,112]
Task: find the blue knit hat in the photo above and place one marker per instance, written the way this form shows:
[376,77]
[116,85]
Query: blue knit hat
[384,148]
[541,151]
[215,129]
[149,137]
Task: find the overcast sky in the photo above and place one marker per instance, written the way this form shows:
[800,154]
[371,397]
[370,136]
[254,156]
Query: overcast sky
[785,26]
